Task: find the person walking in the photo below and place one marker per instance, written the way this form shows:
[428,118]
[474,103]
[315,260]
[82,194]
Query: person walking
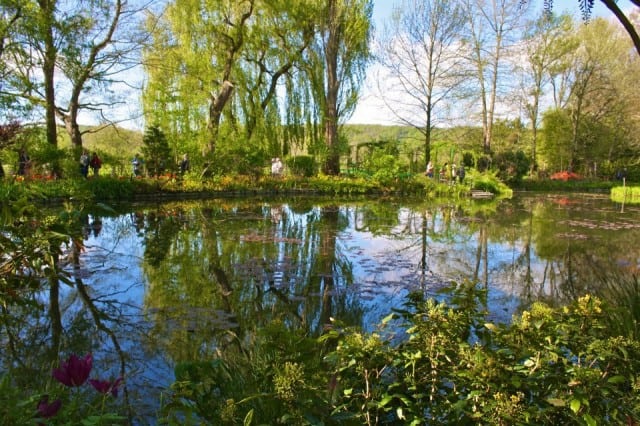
[461,173]
[84,163]
[184,164]
[95,163]
[137,165]
[24,162]
[430,169]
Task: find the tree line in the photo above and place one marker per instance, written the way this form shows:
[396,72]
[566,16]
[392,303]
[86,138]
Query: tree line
[233,83]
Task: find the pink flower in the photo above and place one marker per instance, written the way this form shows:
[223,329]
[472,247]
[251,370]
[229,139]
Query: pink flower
[46,410]
[75,371]
[106,386]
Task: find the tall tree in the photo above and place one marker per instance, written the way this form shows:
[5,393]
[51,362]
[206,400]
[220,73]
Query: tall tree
[546,43]
[421,53]
[215,69]
[594,125]
[491,26]
[337,68]
[91,57]
[47,48]
[10,14]
[64,52]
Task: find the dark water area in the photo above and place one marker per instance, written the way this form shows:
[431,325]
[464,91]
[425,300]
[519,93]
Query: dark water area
[159,284]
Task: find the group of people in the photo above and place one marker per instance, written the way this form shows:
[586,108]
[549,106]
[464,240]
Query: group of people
[451,173]
[94,162]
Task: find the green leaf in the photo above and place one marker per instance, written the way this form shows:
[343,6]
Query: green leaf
[248,418]
[400,414]
[556,402]
[590,421]
[575,405]
[385,400]
[388,318]
[617,379]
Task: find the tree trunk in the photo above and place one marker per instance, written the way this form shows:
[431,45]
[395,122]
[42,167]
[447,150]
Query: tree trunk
[332,162]
[48,69]
[215,114]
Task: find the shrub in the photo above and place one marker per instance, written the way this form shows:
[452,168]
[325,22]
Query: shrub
[512,166]
[302,165]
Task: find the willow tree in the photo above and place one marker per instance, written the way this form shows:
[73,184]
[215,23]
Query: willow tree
[336,68]
[215,67]
[193,61]
[273,54]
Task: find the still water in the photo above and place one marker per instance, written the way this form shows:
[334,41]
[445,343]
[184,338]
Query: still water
[159,284]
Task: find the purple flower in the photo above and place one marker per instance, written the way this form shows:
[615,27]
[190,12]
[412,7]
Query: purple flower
[46,410]
[106,386]
[75,371]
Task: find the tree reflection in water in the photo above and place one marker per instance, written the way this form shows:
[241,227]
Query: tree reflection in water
[189,281]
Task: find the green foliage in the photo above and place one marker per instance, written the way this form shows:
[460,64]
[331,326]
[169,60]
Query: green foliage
[511,166]
[239,158]
[432,362]
[625,194]
[621,293]
[488,182]
[156,151]
[302,165]
[278,379]
[551,366]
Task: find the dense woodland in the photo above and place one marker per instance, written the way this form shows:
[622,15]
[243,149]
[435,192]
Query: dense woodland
[505,85]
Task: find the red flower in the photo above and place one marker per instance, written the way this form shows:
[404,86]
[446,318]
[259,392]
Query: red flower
[105,386]
[46,410]
[75,371]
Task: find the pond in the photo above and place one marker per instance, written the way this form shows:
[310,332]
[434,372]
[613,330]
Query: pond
[158,284]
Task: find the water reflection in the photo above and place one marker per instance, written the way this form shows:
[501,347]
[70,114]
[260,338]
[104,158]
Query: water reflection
[157,285]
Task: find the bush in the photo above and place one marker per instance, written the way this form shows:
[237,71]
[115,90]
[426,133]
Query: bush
[431,362]
[512,166]
[302,165]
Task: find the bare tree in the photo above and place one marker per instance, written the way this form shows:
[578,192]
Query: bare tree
[95,59]
[70,52]
[491,27]
[421,53]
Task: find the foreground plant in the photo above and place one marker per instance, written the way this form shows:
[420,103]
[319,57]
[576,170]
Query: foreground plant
[434,363]
[75,371]
[550,366]
[73,405]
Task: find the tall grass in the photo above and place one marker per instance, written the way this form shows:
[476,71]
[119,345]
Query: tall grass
[621,293]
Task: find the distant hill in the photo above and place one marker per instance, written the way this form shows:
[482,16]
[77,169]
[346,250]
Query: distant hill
[112,141]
